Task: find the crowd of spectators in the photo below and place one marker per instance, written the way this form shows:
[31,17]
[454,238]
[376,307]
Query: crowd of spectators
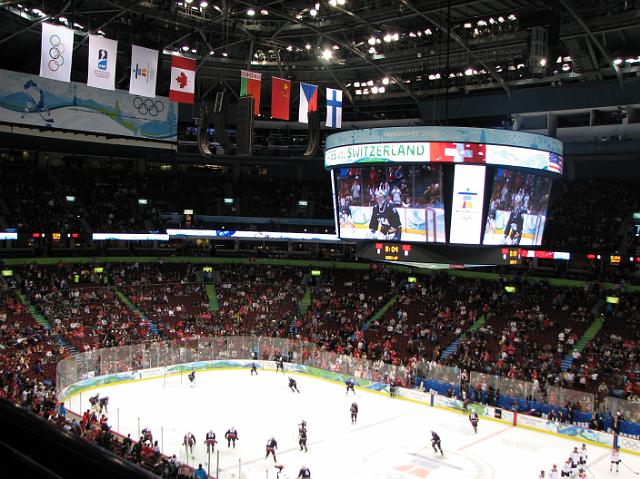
[373,314]
[84,200]
[589,214]
[585,215]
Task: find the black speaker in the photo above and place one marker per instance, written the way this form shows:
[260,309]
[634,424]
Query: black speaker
[244,134]
[314,134]
[202,123]
[220,121]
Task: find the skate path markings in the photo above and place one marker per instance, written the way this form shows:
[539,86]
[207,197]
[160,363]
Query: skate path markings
[493,434]
[328,438]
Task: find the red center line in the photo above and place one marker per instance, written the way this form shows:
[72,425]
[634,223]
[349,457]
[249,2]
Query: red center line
[485,438]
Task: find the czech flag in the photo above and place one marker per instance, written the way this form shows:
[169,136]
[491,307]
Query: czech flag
[308,101]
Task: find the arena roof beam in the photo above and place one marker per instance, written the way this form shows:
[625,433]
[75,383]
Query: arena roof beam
[569,7]
[343,44]
[464,45]
[86,36]
[36,23]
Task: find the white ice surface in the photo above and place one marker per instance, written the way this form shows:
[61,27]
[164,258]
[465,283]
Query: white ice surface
[391,439]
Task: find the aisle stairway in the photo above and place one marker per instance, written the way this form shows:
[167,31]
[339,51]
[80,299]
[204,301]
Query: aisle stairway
[40,319]
[588,335]
[378,314]
[303,307]
[153,328]
[454,345]
[212,294]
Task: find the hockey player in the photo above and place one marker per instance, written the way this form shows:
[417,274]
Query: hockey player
[95,402]
[435,443]
[350,385]
[553,473]
[582,474]
[615,459]
[192,377]
[583,454]
[254,369]
[354,413]
[279,364]
[473,419]
[302,439]
[304,473]
[272,445]
[302,426]
[575,460]
[293,385]
[385,219]
[541,476]
[146,435]
[231,436]
[566,469]
[189,441]
[210,441]
[104,403]
[513,230]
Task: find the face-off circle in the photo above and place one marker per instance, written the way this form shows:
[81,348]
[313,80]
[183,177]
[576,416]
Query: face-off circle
[417,463]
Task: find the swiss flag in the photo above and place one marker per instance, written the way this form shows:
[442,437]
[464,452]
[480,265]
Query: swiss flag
[458,152]
[183,80]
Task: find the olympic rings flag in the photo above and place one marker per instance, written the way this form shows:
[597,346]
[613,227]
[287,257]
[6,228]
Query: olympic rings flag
[56,53]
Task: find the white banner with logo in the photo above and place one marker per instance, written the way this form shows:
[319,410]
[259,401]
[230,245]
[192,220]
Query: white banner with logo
[101,66]
[56,53]
[144,70]
[467,202]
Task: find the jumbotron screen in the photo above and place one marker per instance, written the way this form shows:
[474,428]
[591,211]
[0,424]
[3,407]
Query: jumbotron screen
[394,203]
[517,209]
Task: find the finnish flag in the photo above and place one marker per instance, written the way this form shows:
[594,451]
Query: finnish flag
[334,108]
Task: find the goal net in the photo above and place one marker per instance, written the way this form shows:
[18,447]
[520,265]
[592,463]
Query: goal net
[172,379]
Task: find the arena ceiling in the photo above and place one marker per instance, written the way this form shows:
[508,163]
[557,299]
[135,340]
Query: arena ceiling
[407,50]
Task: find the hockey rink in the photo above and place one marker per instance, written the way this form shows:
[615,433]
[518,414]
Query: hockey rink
[391,439]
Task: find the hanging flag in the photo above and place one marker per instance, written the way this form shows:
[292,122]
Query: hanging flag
[334,108]
[308,101]
[144,68]
[280,97]
[250,86]
[183,79]
[56,53]
[102,62]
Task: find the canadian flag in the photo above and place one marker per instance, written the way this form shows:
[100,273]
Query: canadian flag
[183,80]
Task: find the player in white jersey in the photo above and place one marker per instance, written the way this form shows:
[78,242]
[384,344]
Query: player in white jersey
[615,459]
[541,476]
[583,454]
[566,469]
[553,473]
[575,458]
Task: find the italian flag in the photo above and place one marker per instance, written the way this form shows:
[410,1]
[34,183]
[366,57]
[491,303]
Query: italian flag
[250,86]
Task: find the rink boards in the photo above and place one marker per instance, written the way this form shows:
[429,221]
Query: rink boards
[429,399]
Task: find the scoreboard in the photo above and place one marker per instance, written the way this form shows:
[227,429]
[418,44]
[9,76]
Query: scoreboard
[444,255]
[394,251]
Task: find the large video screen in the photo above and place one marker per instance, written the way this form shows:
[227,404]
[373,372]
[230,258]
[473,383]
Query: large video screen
[518,209]
[392,203]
